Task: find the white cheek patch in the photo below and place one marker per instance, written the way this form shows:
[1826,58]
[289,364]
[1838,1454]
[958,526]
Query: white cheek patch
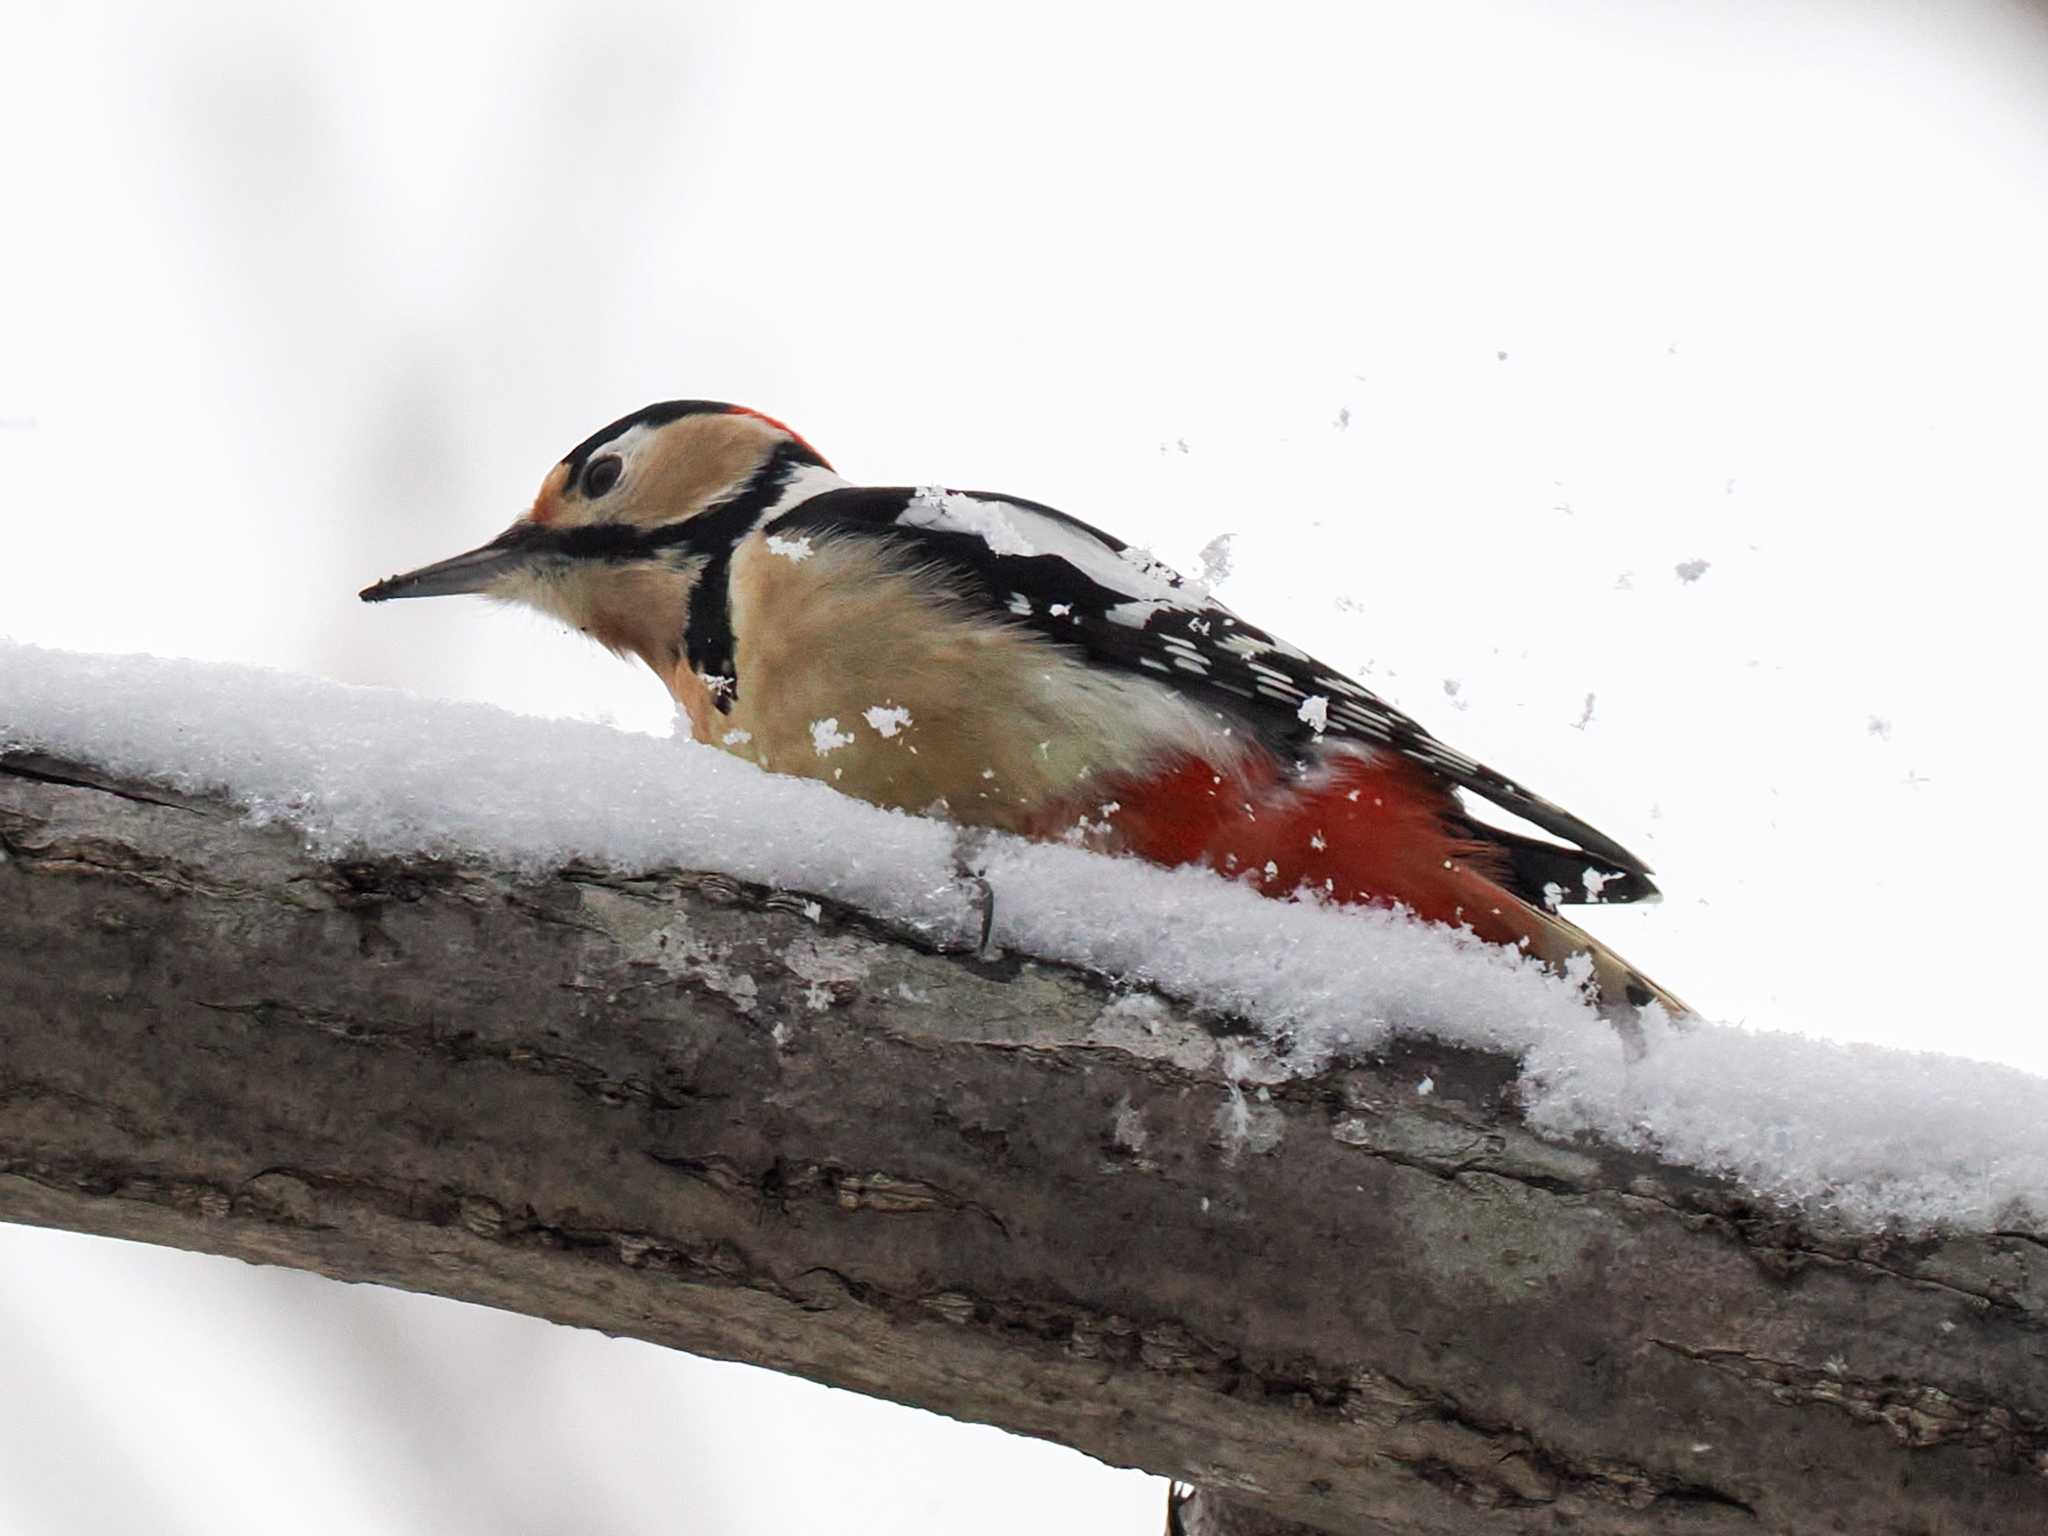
[628,442]
[626,446]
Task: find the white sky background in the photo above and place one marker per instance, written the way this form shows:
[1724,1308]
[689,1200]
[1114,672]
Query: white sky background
[293,297]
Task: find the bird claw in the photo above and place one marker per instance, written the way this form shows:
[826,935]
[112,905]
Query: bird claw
[966,844]
[985,898]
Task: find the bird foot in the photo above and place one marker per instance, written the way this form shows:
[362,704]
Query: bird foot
[967,845]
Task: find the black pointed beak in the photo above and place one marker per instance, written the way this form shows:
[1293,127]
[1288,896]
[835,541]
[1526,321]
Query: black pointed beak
[471,572]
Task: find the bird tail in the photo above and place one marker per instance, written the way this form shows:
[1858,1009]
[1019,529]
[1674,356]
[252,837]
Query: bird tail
[1619,987]
[1377,831]
[1556,941]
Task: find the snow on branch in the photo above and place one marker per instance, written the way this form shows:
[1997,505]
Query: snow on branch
[1361,1225]
[1902,1140]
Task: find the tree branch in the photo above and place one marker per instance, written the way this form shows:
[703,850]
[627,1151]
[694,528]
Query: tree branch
[744,1125]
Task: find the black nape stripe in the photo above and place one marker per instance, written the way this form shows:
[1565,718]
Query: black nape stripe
[707,636]
[661,414]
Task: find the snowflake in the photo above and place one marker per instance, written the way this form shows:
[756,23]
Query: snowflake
[887,719]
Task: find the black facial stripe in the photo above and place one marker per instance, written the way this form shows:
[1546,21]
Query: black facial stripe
[711,533]
[592,541]
[601,541]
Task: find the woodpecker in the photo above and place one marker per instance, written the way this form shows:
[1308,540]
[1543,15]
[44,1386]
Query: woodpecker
[992,661]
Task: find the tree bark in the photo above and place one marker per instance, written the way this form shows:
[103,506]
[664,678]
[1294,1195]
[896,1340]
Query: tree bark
[743,1124]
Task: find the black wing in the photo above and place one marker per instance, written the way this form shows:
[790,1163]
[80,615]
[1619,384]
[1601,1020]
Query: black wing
[1084,588]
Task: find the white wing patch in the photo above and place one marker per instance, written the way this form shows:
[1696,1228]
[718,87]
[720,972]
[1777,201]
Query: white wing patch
[995,524]
[1009,529]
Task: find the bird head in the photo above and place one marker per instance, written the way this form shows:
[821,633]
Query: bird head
[626,523]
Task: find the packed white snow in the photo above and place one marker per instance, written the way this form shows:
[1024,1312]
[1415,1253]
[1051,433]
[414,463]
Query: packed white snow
[1875,1135]
[827,738]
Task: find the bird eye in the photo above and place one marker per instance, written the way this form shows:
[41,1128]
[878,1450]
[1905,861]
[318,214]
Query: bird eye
[601,474]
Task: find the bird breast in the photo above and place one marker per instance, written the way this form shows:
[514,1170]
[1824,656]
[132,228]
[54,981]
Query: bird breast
[863,673]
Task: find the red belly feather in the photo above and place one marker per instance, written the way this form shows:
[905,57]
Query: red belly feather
[1369,831]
